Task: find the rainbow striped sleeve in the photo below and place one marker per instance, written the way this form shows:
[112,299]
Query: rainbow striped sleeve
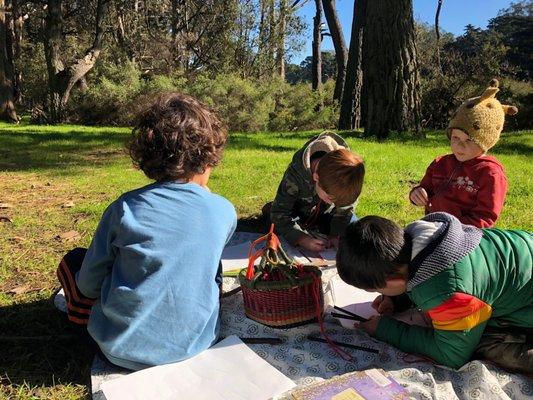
[460,312]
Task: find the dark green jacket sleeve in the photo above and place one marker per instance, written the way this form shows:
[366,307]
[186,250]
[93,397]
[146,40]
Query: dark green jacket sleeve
[282,206]
[340,220]
[451,348]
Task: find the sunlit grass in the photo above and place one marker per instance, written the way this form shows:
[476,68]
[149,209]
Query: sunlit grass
[44,168]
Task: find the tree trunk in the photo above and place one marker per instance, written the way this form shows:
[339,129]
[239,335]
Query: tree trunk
[7,104]
[62,79]
[341,52]
[437,34]
[390,71]
[282,26]
[350,113]
[317,54]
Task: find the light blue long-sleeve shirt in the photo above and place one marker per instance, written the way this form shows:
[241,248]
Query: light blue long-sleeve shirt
[152,266]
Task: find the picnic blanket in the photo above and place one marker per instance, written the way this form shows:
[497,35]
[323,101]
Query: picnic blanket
[305,361]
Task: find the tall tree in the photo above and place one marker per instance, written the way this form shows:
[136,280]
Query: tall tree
[437,35]
[61,77]
[350,113]
[282,30]
[390,71]
[317,54]
[7,104]
[341,52]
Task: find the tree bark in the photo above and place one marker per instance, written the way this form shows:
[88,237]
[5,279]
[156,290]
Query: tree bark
[390,71]
[282,26]
[7,104]
[317,54]
[61,79]
[437,34]
[350,113]
[341,52]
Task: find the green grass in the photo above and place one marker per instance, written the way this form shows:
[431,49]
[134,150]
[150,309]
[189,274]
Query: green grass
[42,168]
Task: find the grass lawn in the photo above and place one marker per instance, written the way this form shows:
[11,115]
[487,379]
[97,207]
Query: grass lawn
[55,182]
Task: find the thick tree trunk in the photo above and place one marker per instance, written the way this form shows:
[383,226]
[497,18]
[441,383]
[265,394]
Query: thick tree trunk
[317,54]
[62,79]
[350,113]
[390,71]
[7,104]
[341,52]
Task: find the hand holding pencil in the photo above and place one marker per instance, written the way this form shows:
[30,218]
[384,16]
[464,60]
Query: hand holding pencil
[383,305]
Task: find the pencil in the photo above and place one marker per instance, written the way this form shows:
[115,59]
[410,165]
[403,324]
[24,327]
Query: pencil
[359,318]
[349,345]
[261,340]
[351,317]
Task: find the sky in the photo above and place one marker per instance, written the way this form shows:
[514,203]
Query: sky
[454,16]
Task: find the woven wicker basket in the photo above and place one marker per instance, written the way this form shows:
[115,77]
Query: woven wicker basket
[293,298]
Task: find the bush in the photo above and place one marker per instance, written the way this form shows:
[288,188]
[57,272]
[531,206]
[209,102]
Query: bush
[115,94]
[519,94]
[244,104]
[299,107]
[110,97]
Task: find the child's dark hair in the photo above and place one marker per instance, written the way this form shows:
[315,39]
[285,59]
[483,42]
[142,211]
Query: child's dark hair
[176,137]
[340,175]
[371,250]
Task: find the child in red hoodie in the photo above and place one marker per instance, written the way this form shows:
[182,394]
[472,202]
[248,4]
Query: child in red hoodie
[468,183]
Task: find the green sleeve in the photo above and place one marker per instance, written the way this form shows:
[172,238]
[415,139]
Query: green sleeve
[451,348]
[282,206]
[340,219]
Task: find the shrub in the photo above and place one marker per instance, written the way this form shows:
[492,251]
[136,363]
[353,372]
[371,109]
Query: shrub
[243,104]
[110,96]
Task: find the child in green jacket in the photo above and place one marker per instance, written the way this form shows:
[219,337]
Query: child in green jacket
[474,284]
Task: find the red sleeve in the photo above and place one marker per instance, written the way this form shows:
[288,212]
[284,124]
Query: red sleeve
[490,198]
[427,180]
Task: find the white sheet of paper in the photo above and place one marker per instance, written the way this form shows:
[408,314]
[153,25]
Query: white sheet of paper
[352,299]
[294,252]
[230,370]
[235,257]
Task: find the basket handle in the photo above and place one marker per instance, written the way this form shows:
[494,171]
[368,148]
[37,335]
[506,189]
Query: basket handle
[272,242]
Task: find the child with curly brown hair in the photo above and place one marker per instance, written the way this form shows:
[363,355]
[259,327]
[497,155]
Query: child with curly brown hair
[149,284]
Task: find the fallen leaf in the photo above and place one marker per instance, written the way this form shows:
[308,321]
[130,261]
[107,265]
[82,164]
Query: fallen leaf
[16,239]
[68,204]
[20,289]
[6,205]
[69,236]
[5,218]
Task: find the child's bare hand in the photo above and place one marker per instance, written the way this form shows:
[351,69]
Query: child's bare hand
[419,196]
[312,244]
[383,305]
[371,326]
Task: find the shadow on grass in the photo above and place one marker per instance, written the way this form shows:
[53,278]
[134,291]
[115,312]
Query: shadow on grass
[30,149]
[40,348]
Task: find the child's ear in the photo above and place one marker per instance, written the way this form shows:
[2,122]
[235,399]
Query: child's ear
[315,177]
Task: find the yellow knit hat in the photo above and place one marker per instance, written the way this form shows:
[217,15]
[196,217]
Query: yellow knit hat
[482,117]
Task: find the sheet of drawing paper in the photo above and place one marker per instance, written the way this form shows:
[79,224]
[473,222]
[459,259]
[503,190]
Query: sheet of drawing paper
[294,252]
[352,299]
[230,370]
[235,257]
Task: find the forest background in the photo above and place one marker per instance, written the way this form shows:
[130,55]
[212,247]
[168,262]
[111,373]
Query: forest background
[94,62]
